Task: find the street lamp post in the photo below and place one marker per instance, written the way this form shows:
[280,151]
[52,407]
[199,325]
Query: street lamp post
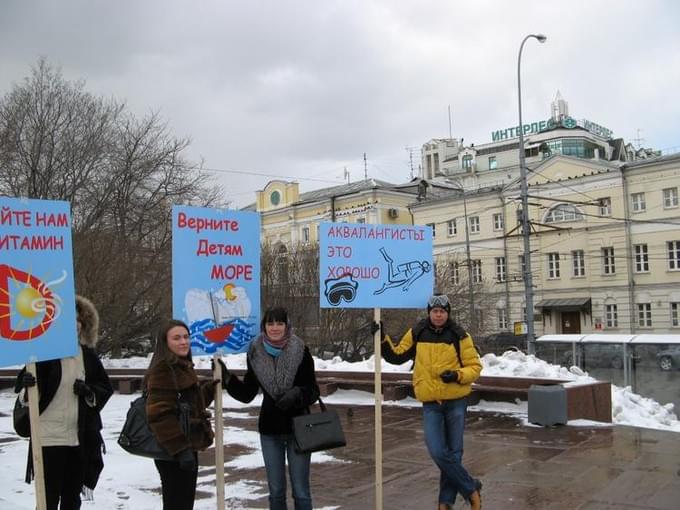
[467,252]
[528,281]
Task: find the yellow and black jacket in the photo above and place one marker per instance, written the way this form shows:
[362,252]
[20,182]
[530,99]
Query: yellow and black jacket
[436,350]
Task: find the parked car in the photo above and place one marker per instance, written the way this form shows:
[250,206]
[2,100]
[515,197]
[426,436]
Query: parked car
[669,358]
[598,355]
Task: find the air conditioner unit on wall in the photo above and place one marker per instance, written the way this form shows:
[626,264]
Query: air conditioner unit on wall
[393,213]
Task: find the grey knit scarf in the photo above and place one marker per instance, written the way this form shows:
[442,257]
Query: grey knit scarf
[276,375]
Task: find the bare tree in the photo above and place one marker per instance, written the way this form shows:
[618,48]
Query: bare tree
[451,278]
[121,175]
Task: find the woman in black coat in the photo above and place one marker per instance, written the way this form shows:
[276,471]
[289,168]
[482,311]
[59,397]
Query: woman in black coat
[280,364]
[72,392]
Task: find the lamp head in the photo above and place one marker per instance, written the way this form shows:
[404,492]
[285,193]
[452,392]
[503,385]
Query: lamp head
[540,37]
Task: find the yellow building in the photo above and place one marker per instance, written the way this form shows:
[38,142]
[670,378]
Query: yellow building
[605,243]
[290,217]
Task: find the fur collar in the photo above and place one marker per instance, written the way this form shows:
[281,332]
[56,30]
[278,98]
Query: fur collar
[276,375]
[88,316]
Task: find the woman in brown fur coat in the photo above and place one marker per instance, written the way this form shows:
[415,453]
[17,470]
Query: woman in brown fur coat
[170,377]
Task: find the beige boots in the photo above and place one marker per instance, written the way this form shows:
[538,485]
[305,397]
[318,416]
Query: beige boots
[475,500]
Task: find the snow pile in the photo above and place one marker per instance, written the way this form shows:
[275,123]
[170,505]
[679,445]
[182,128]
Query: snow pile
[628,408]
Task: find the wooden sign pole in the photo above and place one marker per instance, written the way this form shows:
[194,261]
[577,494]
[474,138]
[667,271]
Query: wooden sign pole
[36,440]
[219,434]
[378,415]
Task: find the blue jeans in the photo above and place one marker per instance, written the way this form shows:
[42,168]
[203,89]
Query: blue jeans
[275,448]
[444,425]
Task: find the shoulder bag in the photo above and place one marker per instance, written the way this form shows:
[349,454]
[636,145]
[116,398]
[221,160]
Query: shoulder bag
[22,421]
[318,431]
[138,439]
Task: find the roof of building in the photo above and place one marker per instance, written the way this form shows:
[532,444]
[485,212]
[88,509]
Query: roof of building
[652,160]
[343,189]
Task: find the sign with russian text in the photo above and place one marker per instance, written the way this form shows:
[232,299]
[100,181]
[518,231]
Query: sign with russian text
[544,125]
[375,266]
[37,297]
[216,277]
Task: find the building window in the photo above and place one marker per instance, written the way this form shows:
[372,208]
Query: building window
[578,259]
[474,224]
[305,234]
[645,315]
[500,269]
[498,221]
[275,197]
[361,220]
[563,212]
[452,228]
[493,164]
[638,202]
[455,273]
[282,264]
[605,206]
[611,316]
[673,255]
[502,315]
[675,319]
[641,258]
[477,271]
[553,265]
[467,162]
[608,262]
[434,229]
[670,198]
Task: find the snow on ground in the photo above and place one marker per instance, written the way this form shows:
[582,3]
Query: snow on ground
[628,408]
[130,482]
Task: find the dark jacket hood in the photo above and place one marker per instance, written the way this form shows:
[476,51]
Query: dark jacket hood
[89,318]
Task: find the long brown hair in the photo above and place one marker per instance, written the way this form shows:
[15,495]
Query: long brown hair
[161,351]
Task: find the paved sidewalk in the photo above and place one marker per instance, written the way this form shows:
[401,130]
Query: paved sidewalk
[523,468]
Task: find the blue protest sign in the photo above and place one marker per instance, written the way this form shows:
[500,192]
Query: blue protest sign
[37,298]
[375,266]
[216,277]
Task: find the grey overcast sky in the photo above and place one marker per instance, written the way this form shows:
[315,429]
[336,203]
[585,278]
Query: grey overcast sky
[302,88]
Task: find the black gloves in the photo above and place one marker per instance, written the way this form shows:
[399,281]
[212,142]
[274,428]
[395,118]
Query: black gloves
[225,371]
[187,460]
[375,327]
[290,399]
[81,389]
[449,376]
[27,380]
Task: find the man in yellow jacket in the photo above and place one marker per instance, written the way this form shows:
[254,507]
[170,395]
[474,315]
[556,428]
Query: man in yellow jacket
[446,365]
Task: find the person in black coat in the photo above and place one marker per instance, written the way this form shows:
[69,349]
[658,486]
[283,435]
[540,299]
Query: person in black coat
[281,366]
[72,392]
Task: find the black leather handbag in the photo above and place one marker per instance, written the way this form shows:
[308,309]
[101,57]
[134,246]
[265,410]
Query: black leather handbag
[136,437]
[22,420]
[318,431]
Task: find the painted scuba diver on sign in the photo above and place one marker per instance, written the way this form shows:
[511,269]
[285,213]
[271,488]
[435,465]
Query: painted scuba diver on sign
[404,275]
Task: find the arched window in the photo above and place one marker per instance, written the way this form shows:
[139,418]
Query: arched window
[282,264]
[563,212]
